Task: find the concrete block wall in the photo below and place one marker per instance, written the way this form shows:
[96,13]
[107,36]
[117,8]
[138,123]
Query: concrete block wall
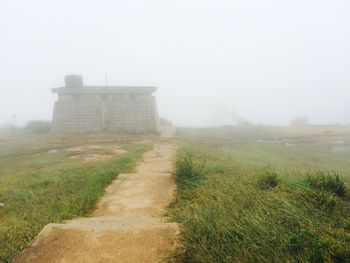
[139,115]
[135,116]
[76,116]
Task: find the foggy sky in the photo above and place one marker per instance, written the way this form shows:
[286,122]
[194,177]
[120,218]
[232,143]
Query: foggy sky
[213,61]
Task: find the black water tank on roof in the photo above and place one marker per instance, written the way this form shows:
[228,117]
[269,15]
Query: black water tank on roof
[73,81]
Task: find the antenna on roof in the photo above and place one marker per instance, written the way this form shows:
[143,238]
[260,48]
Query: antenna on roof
[106,79]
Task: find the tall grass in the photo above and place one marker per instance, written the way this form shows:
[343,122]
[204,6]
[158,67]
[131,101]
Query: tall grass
[189,172]
[330,182]
[248,214]
[38,189]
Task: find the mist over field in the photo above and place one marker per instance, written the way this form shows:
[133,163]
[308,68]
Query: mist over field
[214,62]
[247,158]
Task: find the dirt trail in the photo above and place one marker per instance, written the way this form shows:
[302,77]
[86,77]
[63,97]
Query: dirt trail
[126,227]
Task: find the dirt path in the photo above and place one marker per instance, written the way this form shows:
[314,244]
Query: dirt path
[126,227]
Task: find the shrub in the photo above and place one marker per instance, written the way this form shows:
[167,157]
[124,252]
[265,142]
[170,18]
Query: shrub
[268,180]
[327,181]
[187,171]
[38,126]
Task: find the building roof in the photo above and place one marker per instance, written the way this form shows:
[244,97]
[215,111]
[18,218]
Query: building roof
[105,90]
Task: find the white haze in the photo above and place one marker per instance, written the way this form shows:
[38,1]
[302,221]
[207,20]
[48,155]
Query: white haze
[213,61]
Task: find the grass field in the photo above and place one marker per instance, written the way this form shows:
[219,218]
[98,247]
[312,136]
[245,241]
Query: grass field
[245,194]
[263,194]
[46,178]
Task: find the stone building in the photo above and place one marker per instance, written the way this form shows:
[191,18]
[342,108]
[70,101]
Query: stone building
[104,108]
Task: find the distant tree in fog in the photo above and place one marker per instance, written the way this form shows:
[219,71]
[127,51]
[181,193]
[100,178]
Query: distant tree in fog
[244,122]
[300,121]
[38,126]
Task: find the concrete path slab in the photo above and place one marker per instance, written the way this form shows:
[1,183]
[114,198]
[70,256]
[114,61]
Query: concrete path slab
[128,224]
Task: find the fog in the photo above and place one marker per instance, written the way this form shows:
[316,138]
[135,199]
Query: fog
[213,61]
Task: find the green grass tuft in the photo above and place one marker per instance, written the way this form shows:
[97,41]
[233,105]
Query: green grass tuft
[268,180]
[188,172]
[327,181]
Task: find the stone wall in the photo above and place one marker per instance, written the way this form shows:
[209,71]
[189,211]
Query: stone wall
[137,115]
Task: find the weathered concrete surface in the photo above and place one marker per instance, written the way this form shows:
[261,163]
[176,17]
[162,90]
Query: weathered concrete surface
[126,227]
